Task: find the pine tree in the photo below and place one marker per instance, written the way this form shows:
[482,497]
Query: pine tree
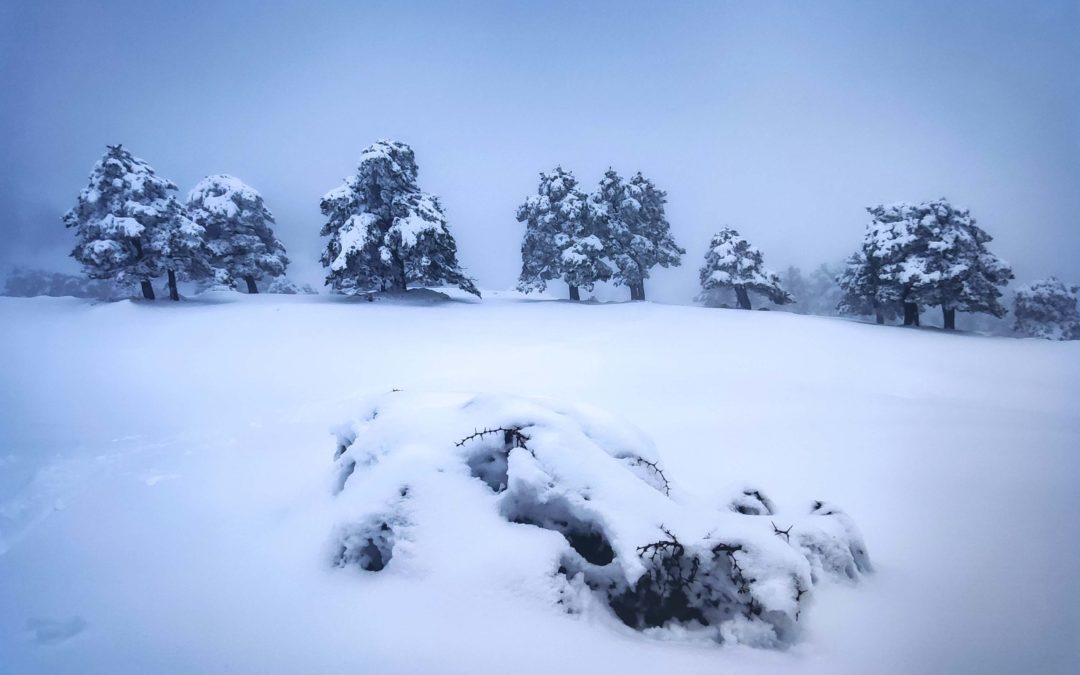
[131,229]
[896,248]
[933,254]
[636,227]
[731,262]
[564,237]
[1047,309]
[964,274]
[863,290]
[238,228]
[385,233]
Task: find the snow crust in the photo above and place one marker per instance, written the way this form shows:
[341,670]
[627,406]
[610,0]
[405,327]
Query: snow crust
[955,454]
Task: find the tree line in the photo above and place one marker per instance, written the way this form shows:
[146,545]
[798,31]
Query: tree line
[386,234]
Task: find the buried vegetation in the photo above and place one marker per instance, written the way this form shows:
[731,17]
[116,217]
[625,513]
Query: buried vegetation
[577,503]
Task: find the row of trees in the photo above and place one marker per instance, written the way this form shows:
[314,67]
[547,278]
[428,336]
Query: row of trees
[131,229]
[385,234]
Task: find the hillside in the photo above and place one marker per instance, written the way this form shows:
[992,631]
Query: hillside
[165,473]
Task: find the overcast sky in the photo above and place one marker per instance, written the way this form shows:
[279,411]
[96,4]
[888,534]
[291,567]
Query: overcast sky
[783,120]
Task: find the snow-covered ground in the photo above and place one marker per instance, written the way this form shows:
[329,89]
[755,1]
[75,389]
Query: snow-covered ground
[166,473]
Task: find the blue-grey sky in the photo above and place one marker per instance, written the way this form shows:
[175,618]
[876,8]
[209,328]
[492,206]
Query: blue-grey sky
[781,119]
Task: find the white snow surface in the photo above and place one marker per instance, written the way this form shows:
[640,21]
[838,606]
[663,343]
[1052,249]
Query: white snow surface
[172,509]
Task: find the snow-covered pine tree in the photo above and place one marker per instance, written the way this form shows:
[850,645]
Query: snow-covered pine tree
[385,233]
[897,249]
[130,228]
[934,254]
[638,233]
[564,237]
[731,262]
[1047,308]
[238,228]
[863,292]
[964,274]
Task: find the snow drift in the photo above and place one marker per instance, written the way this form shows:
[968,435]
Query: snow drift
[580,502]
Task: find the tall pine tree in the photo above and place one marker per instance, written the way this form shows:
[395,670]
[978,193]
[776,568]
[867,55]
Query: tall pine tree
[932,254]
[385,233]
[732,263]
[239,232]
[964,275]
[131,229]
[564,237]
[636,227]
[862,290]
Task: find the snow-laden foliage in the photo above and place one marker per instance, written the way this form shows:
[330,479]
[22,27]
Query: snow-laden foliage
[930,253]
[129,226]
[22,282]
[564,238]
[861,290]
[385,233]
[573,505]
[635,227]
[732,263]
[238,229]
[1047,308]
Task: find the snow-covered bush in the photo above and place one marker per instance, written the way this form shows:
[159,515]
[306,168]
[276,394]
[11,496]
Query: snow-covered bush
[732,264]
[238,230]
[385,233]
[575,506]
[1047,309]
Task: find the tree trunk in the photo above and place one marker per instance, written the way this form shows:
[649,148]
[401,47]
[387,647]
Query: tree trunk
[879,316]
[743,297]
[641,290]
[574,294]
[174,295]
[147,289]
[252,288]
[911,314]
[950,318]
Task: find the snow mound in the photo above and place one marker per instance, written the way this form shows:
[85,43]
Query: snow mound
[575,505]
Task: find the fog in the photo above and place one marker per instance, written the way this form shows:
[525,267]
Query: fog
[781,120]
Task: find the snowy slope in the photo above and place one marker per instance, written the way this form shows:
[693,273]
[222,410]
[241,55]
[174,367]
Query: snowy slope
[166,473]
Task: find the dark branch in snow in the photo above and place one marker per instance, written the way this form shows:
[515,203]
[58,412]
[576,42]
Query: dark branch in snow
[786,534]
[511,436]
[799,592]
[641,461]
[671,544]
